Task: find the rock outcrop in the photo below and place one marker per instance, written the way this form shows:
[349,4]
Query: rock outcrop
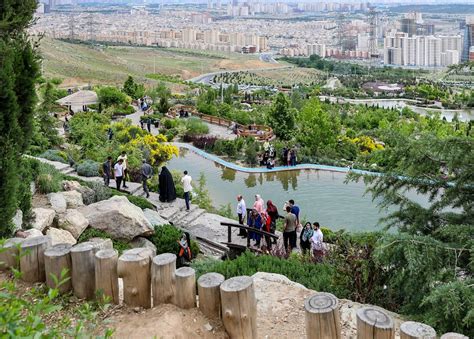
[58,202]
[154,217]
[117,217]
[44,218]
[73,199]
[74,222]
[143,242]
[59,236]
[17,220]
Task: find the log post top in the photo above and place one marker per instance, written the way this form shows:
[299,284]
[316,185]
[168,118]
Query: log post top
[418,330]
[58,250]
[136,254]
[106,253]
[164,259]
[452,335]
[13,242]
[83,247]
[35,241]
[209,280]
[237,284]
[375,317]
[185,272]
[321,303]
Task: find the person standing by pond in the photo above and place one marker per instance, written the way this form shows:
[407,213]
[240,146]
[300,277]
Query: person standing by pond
[186,181]
[317,243]
[147,172]
[118,173]
[272,212]
[255,221]
[241,213]
[305,237]
[107,169]
[258,204]
[295,210]
[124,158]
[289,230]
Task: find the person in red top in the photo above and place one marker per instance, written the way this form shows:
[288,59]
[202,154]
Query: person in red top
[272,211]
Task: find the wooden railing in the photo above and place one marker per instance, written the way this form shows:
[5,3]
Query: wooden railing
[150,280]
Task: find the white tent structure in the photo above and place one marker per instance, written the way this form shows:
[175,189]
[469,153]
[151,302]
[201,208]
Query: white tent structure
[78,100]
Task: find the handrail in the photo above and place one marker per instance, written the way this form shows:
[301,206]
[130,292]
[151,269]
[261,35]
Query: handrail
[251,229]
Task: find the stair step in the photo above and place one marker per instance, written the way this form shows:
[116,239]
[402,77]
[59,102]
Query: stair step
[169,212]
[188,219]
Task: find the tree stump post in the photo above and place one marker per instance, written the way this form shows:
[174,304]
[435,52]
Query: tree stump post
[134,268]
[57,259]
[322,317]
[185,288]
[452,335]
[373,323]
[32,259]
[414,330]
[163,277]
[106,277]
[239,307]
[210,295]
[83,270]
[9,255]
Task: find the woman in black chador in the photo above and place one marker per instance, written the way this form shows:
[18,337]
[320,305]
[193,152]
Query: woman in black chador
[166,186]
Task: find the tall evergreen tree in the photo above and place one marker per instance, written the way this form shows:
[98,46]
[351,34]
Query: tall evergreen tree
[282,118]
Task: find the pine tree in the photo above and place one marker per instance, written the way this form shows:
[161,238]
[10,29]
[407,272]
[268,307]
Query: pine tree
[282,118]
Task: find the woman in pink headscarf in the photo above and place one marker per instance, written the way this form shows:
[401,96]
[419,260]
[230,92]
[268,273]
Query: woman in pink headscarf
[258,204]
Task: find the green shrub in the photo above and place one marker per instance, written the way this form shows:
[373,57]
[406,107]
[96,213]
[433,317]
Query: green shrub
[89,233]
[171,134]
[194,126]
[101,192]
[124,110]
[88,168]
[170,123]
[166,239]
[48,179]
[54,155]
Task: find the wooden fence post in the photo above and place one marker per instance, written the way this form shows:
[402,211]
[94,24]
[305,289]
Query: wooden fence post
[239,307]
[185,294]
[83,270]
[106,277]
[9,255]
[452,335]
[56,259]
[209,294]
[134,268]
[322,316]
[373,323]
[414,330]
[32,259]
[163,277]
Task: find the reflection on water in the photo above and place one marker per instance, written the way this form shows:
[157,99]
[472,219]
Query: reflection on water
[322,196]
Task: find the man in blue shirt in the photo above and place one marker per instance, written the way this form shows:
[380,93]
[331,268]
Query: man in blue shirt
[295,210]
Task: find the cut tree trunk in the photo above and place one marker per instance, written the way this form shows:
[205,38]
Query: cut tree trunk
[106,277]
[185,287]
[9,256]
[373,323]
[83,270]
[322,317]
[32,259]
[239,307]
[414,330]
[209,294]
[163,277]
[134,268]
[57,259]
[452,335]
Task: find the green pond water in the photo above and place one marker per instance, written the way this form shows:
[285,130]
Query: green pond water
[321,195]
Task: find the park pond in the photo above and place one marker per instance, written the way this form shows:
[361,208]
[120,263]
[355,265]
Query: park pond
[323,196]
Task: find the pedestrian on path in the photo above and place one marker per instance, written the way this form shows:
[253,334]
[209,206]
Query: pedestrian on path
[107,169]
[148,125]
[186,181]
[118,173]
[289,230]
[317,243]
[124,158]
[147,172]
[258,204]
[241,213]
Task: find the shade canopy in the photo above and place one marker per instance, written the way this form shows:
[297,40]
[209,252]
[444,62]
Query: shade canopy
[79,98]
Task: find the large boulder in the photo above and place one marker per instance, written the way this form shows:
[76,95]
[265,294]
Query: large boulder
[44,218]
[154,217]
[17,220]
[88,195]
[71,185]
[57,202]
[73,199]
[73,222]
[32,232]
[58,236]
[144,243]
[117,217]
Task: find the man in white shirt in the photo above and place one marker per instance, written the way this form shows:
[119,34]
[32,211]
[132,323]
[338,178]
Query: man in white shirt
[118,173]
[317,243]
[124,158]
[241,212]
[186,181]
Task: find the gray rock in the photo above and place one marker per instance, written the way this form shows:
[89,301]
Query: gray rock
[44,218]
[32,188]
[73,199]
[88,195]
[70,185]
[58,202]
[59,236]
[117,217]
[143,242]
[154,217]
[74,222]
[17,220]
[33,232]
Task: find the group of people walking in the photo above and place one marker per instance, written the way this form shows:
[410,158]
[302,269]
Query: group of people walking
[264,217]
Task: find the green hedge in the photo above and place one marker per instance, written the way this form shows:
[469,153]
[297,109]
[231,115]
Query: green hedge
[166,239]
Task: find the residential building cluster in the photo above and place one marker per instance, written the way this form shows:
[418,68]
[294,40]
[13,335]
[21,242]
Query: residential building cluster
[332,6]
[468,43]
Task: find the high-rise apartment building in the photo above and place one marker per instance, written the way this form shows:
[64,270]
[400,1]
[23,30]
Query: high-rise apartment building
[468,38]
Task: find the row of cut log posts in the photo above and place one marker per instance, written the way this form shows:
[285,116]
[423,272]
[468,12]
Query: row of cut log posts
[106,276]
[58,267]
